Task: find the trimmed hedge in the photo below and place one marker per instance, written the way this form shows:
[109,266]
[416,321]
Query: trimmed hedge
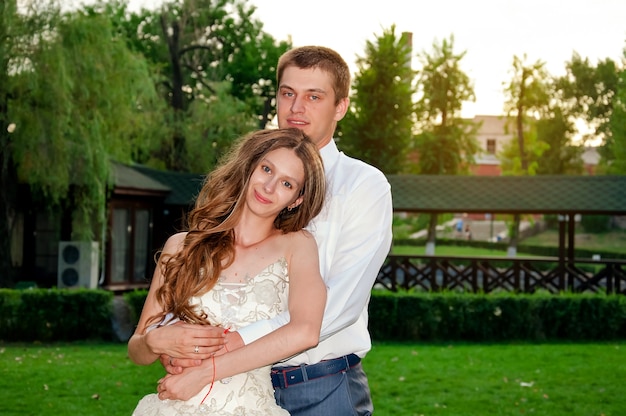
[55,314]
[135,301]
[496,317]
[67,315]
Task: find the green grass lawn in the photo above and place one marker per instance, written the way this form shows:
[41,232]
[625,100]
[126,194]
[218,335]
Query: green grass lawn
[406,379]
[612,241]
[442,250]
[473,380]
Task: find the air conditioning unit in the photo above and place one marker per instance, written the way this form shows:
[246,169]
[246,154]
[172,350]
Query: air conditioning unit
[78,265]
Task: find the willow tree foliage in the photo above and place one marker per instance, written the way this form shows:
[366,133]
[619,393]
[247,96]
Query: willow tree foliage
[19,33]
[211,125]
[206,50]
[81,100]
[378,127]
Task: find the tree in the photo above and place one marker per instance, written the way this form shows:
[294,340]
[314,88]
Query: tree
[78,99]
[19,32]
[548,126]
[561,156]
[447,143]
[212,124]
[196,45]
[548,145]
[378,127]
[617,123]
[528,95]
[527,98]
[589,93]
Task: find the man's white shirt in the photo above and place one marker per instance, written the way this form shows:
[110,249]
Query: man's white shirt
[353,233]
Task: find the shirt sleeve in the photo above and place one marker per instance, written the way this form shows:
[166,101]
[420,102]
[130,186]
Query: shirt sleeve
[361,238]
[362,244]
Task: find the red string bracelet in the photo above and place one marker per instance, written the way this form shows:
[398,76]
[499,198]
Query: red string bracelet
[225,347]
[212,380]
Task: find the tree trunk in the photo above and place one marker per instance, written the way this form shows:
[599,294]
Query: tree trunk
[432,235]
[514,237]
[8,203]
[178,160]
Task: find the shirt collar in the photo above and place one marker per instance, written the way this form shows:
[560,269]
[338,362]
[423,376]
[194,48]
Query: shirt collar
[330,154]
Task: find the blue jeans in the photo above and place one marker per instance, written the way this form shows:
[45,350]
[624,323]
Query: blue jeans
[343,394]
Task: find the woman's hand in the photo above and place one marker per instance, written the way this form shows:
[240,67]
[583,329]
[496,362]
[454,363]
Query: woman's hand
[189,341]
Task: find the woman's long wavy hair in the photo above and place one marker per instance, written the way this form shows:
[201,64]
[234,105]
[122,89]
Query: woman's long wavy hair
[210,242]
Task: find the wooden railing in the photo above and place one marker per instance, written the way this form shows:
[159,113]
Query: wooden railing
[512,274]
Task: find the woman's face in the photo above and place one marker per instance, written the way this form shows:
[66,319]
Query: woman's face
[275,183]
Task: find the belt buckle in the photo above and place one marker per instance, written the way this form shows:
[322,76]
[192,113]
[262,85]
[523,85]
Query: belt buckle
[295,376]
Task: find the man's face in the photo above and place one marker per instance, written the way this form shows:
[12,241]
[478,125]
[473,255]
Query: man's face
[306,100]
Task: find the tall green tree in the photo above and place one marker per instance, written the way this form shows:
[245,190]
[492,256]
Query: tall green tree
[548,144]
[527,99]
[196,45]
[617,123]
[20,33]
[548,129]
[588,91]
[211,125]
[561,156]
[378,127]
[447,142]
[81,100]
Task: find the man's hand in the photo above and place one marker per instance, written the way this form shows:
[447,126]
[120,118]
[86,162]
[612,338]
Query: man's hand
[187,383]
[176,365]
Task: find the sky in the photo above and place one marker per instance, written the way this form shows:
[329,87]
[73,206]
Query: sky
[491,32]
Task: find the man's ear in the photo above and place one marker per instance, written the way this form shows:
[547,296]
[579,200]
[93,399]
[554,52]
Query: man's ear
[342,108]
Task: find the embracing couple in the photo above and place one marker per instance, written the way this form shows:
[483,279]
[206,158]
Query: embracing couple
[261,306]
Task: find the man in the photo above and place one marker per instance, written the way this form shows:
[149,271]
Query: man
[353,234]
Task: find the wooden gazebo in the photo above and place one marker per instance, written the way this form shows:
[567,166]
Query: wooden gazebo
[564,196]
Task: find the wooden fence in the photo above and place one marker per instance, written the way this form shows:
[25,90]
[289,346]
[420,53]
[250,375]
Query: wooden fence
[490,274]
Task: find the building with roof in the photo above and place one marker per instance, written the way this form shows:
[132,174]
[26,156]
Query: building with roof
[494,133]
[492,136]
[146,206]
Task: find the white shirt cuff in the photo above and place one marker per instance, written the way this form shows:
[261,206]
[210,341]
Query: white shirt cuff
[254,331]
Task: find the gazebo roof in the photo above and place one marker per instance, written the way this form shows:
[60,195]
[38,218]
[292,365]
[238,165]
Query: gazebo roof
[184,187]
[542,194]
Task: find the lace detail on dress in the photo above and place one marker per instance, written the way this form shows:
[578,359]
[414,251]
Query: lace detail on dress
[234,305]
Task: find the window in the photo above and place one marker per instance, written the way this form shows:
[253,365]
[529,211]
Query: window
[491,146]
[131,232]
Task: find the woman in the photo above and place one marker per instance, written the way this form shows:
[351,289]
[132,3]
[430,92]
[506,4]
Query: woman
[245,251]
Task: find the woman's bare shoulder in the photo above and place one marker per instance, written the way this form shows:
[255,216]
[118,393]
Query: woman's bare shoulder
[300,239]
[174,243]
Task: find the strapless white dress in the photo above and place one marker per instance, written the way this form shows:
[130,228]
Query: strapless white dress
[234,305]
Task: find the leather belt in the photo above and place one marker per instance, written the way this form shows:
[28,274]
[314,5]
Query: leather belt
[288,376]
